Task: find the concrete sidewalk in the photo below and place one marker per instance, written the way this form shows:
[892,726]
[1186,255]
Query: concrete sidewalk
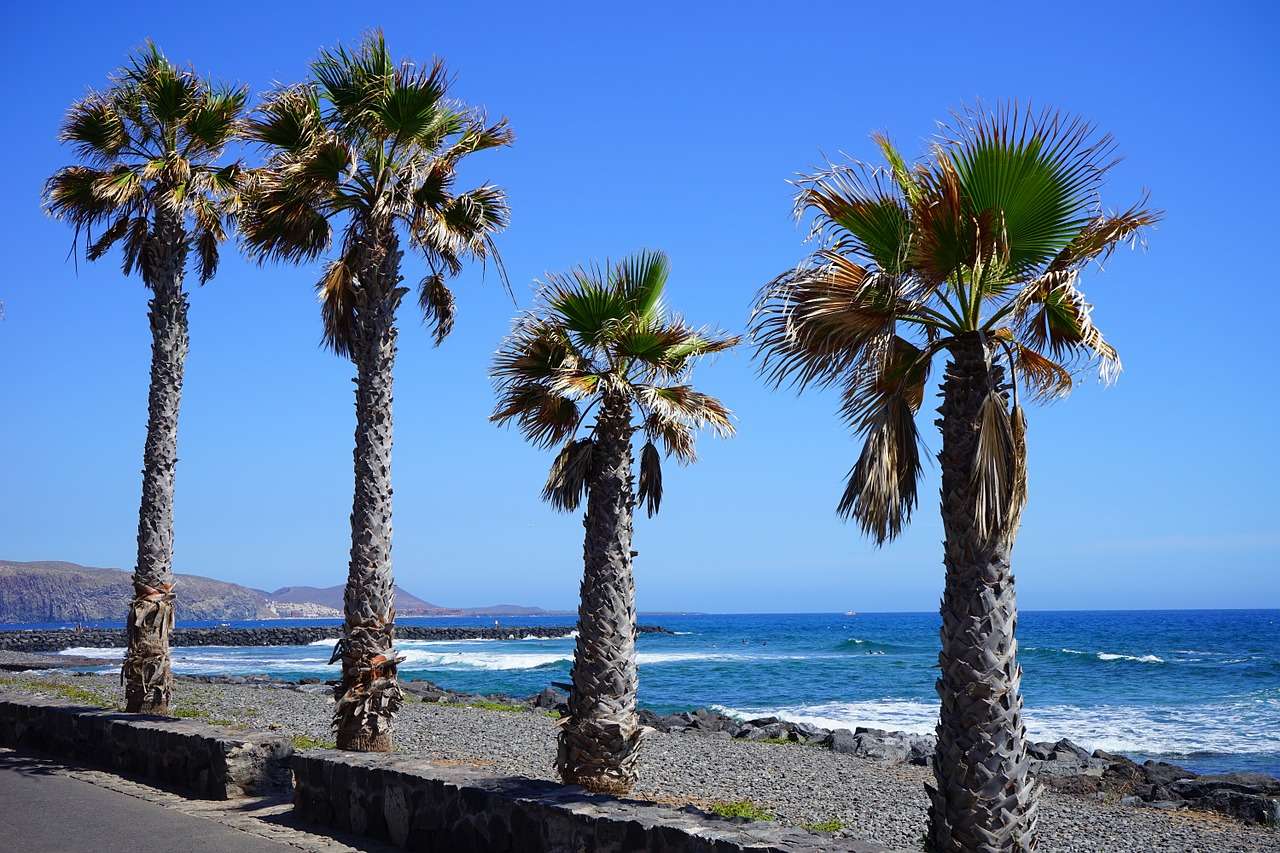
[49,807]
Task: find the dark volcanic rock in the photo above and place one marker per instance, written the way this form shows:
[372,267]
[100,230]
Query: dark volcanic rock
[1250,808]
[551,699]
[301,635]
[1162,773]
[1244,783]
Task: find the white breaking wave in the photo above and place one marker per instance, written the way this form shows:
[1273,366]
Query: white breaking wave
[423,659]
[900,715]
[329,641]
[93,652]
[1138,658]
[1229,727]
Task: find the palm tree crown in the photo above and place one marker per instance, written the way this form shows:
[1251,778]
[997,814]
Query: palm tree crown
[380,143]
[150,146]
[986,237]
[597,334]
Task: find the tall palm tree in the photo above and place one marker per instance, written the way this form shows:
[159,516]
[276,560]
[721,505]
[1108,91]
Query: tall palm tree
[151,180]
[601,338]
[974,253]
[371,147]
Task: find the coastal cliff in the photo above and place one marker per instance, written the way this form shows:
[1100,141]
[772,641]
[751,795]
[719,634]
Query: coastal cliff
[59,592]
[67,592]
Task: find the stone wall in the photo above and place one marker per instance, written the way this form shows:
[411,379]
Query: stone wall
[420,806]
[183,754]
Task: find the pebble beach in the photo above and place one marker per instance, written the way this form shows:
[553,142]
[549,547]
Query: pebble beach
[795,784]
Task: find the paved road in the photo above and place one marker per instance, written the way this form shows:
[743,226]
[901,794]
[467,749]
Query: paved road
[43,811]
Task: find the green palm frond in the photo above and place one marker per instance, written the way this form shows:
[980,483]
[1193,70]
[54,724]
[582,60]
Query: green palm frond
[860,211]
[598,337]
[639,281]
[586,305]
[96,129]
[370,147]
[1038,174]
[150,144]
[986,238]
[288,120]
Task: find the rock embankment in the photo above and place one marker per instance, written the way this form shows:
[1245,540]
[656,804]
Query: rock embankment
[1250,797]
[105,638]
[805,786]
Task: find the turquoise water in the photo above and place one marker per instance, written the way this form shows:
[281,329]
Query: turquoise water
[1198,687]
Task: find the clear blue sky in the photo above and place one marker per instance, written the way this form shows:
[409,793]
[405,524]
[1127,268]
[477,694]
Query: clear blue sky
[673,126]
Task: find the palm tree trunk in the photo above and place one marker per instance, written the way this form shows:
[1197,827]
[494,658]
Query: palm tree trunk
[147,672]
[368,695]
[985,799]
[600,738]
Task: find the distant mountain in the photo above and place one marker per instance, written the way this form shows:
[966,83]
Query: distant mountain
[407,604]
[67,592]
[54,591]
[508,610]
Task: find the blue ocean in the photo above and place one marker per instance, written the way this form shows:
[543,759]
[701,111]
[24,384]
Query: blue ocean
[1200,688]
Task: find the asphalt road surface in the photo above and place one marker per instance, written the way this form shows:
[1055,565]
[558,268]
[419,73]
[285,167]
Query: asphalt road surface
[45,812]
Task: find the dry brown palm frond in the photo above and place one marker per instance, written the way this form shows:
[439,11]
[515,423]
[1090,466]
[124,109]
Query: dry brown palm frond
[1101,236]
[995,467]
[813,324]
[574,383]
[881,491]
[945,230]
[1053,316]
[545,417]
[1046,379]
[901,369]
[677,437]
[1018,491]
[682,403]
[570,471]
[108,238]
[536,350]
[437,304]
[336,290]
[650,491]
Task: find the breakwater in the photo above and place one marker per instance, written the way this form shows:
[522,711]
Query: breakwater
[57,640]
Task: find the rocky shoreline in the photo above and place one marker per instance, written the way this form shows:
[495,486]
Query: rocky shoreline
[859,783]
[1252,798]
[67,638]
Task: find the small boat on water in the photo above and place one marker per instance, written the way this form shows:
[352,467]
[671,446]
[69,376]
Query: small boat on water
[851,613]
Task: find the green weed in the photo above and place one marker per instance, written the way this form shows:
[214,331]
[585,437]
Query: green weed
[741,808]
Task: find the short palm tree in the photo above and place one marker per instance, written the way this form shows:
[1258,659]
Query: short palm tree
[974,253]
[151,181]
[371,147]
[601,338]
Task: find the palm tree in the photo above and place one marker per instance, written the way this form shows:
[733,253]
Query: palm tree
[371,147]
[151,181]
[602,338]
[975,253]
